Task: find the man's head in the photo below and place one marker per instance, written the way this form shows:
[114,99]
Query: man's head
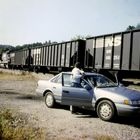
[77,65]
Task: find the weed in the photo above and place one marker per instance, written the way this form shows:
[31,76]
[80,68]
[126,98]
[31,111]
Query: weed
[17,127]
[23,73]
[11,76]
[104,137]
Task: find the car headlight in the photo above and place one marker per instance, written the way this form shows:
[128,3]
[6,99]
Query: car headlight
[126,102]
[134,102]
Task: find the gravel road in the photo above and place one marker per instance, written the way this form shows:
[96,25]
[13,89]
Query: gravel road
[59,123]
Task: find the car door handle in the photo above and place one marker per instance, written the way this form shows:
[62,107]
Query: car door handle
[54,87]
[65,91]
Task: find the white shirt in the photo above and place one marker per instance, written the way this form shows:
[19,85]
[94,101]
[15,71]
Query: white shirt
[77,74]
[77,71]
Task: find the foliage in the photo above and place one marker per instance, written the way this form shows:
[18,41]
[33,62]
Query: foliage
[4,48]
[17,127]
[104,137]
[32,45]
[131,27]
[77,37]
[49,42]
[37,44]
[138,26]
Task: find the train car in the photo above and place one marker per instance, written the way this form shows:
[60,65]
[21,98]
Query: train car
[20,59]
[117,52]
[53,57]
[58,56]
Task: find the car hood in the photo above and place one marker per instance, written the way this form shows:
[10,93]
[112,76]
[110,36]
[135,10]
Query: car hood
[122,91]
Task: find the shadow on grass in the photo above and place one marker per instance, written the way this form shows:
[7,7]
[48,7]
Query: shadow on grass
[22,96]
[8,92]
[59,106]
[29,97]
[80,113]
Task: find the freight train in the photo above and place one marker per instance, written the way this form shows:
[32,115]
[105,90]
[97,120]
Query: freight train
[117,53]
[53,57]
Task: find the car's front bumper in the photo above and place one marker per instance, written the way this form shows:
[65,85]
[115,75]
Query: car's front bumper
[127,110]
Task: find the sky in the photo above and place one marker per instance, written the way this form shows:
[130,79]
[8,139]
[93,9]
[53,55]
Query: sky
[30,21]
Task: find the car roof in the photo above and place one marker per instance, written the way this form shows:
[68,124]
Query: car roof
[86,73]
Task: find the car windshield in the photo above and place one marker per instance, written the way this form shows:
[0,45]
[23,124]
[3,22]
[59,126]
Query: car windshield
[100,81]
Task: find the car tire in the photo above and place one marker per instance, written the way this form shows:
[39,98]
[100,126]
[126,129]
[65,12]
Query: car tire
[106,110]
[49,100]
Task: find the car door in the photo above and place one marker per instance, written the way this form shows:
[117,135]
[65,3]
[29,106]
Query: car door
[76,96]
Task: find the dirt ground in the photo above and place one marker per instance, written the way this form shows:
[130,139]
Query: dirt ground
[17,91]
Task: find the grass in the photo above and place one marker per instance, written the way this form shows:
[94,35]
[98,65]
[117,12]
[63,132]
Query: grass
[12,76]
[104,137]
[134,87]
[132,83]
[16,127]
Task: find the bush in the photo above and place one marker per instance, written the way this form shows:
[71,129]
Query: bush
[17,127]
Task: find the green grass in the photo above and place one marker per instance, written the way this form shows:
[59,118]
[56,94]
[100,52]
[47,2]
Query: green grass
[16,127]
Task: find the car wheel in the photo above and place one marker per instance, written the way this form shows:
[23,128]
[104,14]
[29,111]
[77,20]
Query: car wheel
[49,100]
[105,110]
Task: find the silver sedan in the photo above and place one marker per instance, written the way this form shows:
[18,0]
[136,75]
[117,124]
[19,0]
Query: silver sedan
[95,92]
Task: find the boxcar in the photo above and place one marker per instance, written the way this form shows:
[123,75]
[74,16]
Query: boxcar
[53,57]
[59,56]
[118,52]
[20,59]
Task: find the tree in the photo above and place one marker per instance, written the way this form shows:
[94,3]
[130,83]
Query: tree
[77,37]
[80,37]
[130,28]
[138,26]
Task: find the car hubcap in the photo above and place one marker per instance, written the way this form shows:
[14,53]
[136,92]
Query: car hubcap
[49,100]
[105,111]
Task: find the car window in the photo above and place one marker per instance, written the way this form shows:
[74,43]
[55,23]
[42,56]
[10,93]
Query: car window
[85,84]
[57,79]
[100,81]
[67,80]
[103,81]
